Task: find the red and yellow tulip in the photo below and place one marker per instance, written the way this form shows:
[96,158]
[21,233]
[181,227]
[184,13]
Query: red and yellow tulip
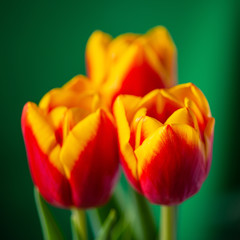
[71,146]
[131,63]
[165,141]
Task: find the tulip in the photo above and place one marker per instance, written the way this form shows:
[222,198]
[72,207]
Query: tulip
[131,63]
[165,141]
[71,146]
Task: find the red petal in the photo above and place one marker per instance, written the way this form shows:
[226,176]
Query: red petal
[175,166]
[93,166]
[52,185]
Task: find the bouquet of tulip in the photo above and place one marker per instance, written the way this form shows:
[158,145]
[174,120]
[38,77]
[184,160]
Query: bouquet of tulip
[128,111]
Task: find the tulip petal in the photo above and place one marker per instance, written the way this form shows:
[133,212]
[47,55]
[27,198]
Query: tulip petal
[96,56]
[137,117]
[90,159]
[128,158]
[78,84]
[131,104]
[149,126]
[190,91]
[149,102]
[208,133]
[56,116]
[208,137]
[119,45]
[146,126]
[43,156]
[160,104]
[137,64]
[175,149]
[70,95]
[41,129]
[162,43]
[201,119]
[183,116]
[201,101]
[60,97]
[136,127]
[87,130]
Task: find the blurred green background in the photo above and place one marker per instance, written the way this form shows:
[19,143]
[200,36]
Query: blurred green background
[42,47]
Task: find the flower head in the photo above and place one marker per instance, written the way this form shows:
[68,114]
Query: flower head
[165,141]
[71,146]
[131,63]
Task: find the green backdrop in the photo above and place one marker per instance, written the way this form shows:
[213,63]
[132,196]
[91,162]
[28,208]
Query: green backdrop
[42,47]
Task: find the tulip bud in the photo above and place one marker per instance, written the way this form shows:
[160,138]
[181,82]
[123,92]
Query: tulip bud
[131,63]
[71,146]
[165,141]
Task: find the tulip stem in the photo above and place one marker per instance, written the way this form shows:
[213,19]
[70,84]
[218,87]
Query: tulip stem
[168,223]
[79,225]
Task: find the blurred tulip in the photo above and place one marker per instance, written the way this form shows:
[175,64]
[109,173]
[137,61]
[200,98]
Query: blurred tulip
[131,63]
[165,141]
[71,146]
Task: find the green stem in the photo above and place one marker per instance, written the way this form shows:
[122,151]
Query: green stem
[143,225]
[79,225]
[168,223]
[105,231]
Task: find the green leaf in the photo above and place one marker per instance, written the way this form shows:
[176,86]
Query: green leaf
[143,224]
[136,216]
[98,216]
[95,221]
[122,230]
[50,228]
[105,231]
